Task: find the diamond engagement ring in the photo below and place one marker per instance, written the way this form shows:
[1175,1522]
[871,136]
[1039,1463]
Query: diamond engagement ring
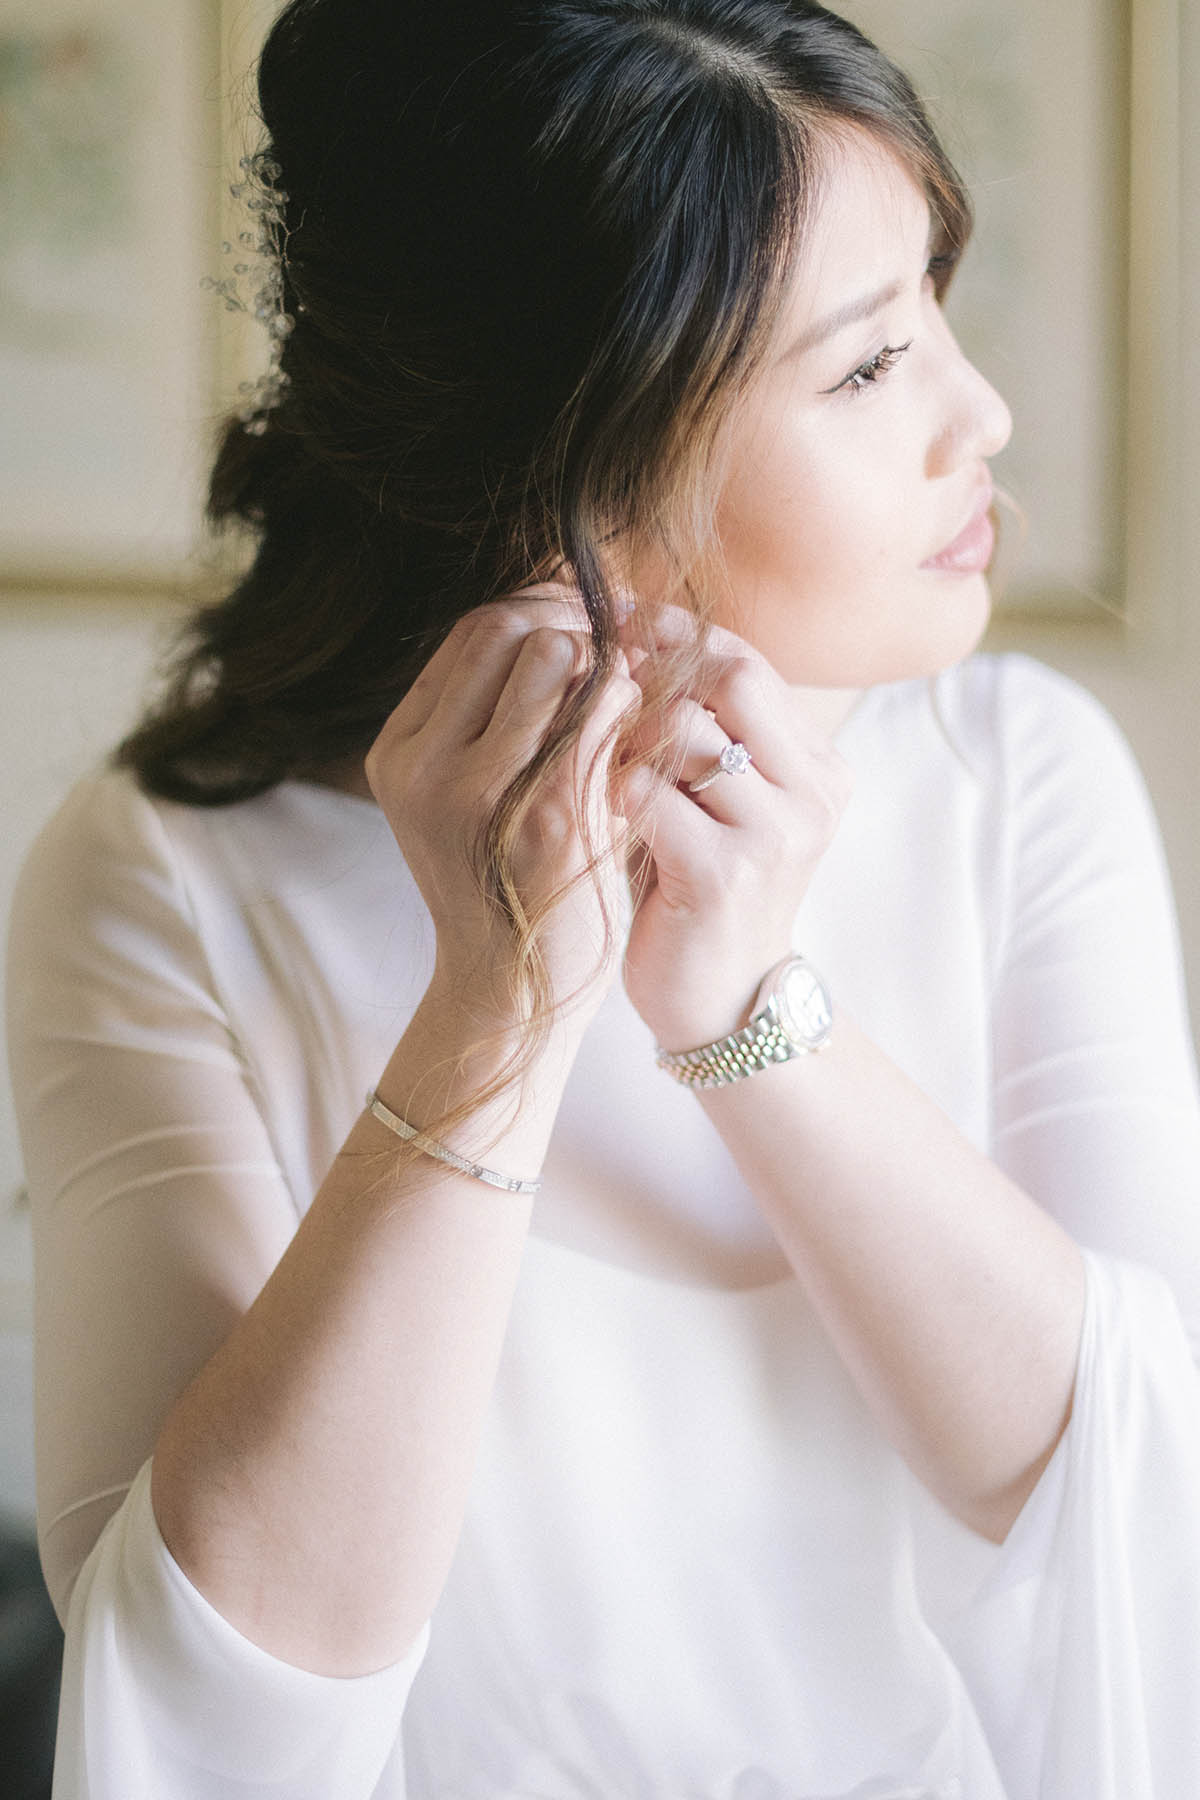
[734,759]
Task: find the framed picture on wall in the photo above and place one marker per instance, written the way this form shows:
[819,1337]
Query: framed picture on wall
[1064,121]
[109,157]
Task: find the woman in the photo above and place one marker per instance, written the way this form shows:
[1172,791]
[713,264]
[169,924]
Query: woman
[826,1423]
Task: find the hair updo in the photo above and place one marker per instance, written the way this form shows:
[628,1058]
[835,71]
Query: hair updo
[532,253]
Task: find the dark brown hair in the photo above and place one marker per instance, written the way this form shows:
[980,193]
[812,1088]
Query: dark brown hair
[532,253]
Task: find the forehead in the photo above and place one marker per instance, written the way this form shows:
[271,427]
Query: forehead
[869,219]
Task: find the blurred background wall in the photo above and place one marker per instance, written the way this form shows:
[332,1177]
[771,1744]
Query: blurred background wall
[75,652]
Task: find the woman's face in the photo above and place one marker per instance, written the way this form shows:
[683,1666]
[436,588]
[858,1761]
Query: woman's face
[859,456]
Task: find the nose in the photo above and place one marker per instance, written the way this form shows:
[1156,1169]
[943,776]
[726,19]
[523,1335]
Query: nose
[975,420]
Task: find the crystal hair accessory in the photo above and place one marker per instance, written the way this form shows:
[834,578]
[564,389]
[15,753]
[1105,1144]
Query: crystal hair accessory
[256,283]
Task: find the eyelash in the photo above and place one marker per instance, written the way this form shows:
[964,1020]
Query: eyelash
[872,371]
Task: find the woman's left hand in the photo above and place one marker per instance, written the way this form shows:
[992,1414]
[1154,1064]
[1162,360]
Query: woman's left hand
[723,870]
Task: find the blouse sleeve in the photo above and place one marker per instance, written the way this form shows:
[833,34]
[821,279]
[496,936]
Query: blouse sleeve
[159,1210]
[1080,1641]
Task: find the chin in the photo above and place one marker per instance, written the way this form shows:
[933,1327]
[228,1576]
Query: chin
[976,618]
[960,629]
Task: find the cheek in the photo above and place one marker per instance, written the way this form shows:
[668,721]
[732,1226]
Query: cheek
[823,571]
[814,533]
[774,508]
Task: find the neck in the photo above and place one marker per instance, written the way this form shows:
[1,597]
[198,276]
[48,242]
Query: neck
[829,708]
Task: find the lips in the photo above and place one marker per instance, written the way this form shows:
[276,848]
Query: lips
[971,551]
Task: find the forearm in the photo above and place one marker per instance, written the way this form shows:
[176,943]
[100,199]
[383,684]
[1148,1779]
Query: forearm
[313,1478]
[311,1481]
[955,1302]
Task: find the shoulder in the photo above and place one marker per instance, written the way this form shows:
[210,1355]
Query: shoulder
[102,927]
[121,880]
[109,837]
[104,821]
[1066,814]
[1009,705]
[106,843]
[1039,740]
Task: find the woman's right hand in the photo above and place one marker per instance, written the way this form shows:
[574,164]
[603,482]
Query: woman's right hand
[476,715]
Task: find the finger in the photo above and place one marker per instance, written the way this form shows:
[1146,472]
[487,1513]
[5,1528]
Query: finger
[472,691]
[709,674]
[567,600]
[728,787]
[672,627]
[677,833]
[743,689]
[680,738]
[754,706]
[749,705]
[535,684]
[685,744]
[623,598]
[446,668]
[416,708]
[605,732]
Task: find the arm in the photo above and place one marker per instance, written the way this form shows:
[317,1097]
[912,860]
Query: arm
[1095,1114]
[310,1477]
[955,1302]
[159,1209]
[374,1344]
[954,1295]
[1096,1109]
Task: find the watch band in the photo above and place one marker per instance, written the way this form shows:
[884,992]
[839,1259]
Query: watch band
[756,1046]
[783,1024]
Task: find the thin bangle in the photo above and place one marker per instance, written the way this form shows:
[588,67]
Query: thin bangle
[440,1153]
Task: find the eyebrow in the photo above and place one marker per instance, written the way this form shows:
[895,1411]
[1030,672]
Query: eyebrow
[857,310]
[851,314]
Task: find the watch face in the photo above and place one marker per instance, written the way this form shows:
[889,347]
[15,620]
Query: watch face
[804,1010]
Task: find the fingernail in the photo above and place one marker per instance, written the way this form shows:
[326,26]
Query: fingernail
[546,590]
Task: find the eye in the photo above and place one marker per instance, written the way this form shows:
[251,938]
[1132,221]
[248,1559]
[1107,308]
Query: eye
[869,372]
[939,270]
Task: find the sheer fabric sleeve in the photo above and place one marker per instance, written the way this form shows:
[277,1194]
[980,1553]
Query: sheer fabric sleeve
[159,1211]
[1080,1642]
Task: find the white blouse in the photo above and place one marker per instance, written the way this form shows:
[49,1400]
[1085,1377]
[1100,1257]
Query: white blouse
[691,1568]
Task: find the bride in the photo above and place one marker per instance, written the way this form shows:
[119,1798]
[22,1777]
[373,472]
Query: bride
[743,1345]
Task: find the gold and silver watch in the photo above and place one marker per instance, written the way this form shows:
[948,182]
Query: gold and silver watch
[792,1015]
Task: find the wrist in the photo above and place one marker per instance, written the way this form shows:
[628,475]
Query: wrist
[791,1015]
[699,985]
[478,1010]
[708,1000]
[461,1058]
[683,1028]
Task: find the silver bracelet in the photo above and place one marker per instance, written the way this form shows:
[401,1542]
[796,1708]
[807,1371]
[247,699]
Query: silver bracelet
[439,1152]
